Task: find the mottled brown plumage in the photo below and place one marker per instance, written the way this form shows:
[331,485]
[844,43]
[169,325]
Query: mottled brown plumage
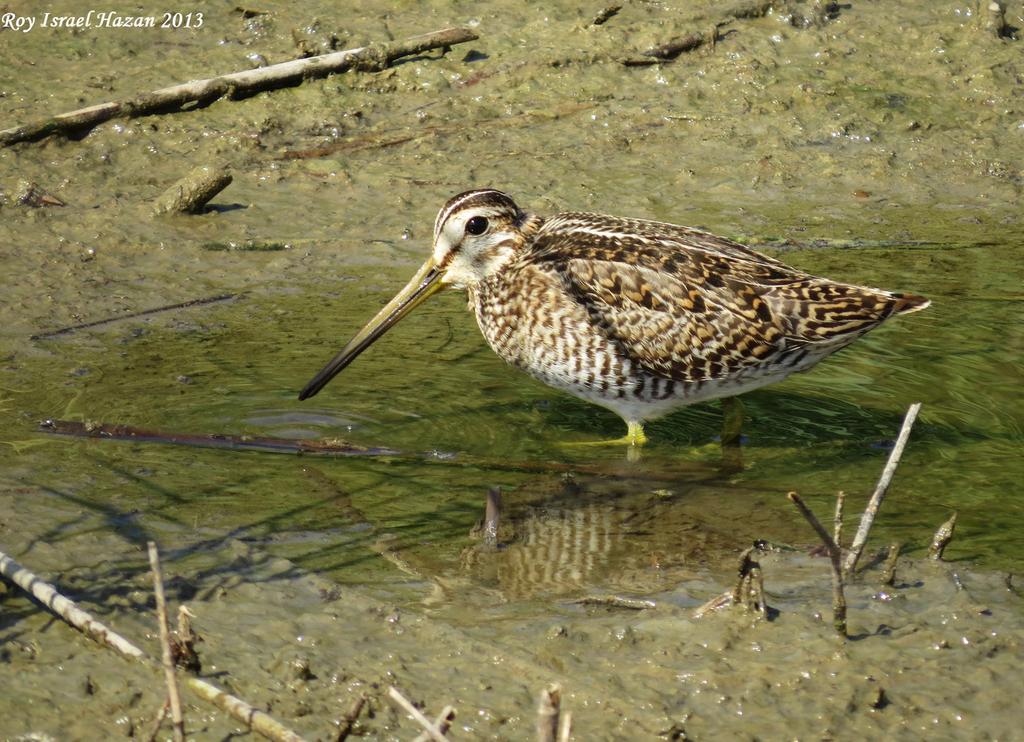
[637,316]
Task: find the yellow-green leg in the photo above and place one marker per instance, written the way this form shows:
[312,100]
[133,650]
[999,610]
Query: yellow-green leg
[635,433]
[634,437]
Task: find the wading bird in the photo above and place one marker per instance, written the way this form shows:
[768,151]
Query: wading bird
[640,317]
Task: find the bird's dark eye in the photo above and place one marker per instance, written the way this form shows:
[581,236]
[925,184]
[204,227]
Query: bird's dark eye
[476,225]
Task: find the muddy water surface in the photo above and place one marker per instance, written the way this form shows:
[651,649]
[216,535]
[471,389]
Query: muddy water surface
[883,147]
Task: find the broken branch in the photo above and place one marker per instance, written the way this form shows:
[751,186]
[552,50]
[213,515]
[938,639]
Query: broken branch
[236,84]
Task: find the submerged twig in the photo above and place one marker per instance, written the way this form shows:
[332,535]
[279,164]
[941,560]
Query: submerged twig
[604,15]
[942,538]
[232,442]
[835,560]
[617,601]
[237,84]
[165,644]
[670,50]
[256,720]
[861,537]
[132,315]
[547,713]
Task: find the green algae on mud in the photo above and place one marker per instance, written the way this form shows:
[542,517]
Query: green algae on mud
[890,126]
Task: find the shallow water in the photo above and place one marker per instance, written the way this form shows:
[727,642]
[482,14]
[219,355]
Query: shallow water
[824,146]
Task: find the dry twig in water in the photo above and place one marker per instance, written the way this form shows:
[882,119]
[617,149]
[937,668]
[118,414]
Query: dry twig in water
[861,537]
[835,559]
[237,84]
[165,644]
[841,570]
[256,720]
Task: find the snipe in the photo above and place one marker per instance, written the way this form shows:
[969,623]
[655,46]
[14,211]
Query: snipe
[637,316]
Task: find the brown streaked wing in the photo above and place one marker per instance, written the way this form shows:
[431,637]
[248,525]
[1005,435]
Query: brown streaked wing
[672,329]
[691,306]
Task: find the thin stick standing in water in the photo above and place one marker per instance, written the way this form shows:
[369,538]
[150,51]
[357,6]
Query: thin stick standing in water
[837,521]
[415,713]
[835,559]
[861,537]
[165,644]
[547,713]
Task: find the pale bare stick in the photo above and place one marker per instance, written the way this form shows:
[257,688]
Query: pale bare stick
[835,558]
[547,713]
[258,721]
[237,84]
[415,713]
[165,644]
[565,728]
[861,537]
[47,594]
[837,521]
[442,721]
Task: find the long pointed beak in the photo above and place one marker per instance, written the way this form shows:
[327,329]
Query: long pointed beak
[423,285]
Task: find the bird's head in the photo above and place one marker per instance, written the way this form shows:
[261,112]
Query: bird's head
[476,234]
